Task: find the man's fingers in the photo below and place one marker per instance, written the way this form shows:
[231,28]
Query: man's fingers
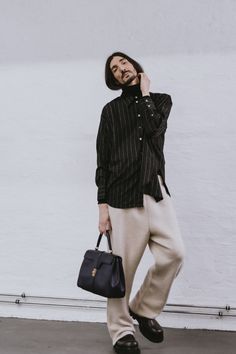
[108,227]
[104,227]
[104,223]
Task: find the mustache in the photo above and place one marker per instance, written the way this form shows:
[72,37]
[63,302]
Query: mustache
[128,71]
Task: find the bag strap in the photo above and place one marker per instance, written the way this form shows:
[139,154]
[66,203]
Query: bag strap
[107,234]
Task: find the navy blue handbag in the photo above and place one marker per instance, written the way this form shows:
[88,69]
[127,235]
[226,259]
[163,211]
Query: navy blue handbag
[102,272]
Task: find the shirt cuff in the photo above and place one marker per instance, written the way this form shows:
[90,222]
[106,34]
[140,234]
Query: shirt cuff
[102,201]
[147,103]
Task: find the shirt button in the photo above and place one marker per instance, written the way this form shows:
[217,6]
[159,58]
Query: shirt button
[149,105]
[146,100]
[152,115]
[140,138]
[136,101]
[136,97]
[139,115]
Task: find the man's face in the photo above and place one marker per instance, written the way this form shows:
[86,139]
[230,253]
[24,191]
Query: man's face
[123,71]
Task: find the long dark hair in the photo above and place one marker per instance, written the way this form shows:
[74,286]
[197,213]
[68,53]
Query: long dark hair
[109,77]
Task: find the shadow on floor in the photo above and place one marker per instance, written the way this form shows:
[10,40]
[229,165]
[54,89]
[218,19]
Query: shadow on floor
[25,336]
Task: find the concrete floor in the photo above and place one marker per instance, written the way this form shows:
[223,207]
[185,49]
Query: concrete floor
[24,336]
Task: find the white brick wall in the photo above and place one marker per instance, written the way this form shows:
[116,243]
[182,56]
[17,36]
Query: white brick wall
[47,146]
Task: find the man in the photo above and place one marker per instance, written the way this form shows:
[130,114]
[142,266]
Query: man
[134,200]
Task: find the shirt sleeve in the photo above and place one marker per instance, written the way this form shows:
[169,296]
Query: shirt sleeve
[102,147]
[155,115]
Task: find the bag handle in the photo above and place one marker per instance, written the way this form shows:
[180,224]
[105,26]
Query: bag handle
[107,234]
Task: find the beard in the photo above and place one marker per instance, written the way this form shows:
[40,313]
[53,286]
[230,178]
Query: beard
[130,79]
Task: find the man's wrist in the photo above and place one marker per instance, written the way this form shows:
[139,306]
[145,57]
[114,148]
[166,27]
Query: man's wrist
[102,205]
[145,93]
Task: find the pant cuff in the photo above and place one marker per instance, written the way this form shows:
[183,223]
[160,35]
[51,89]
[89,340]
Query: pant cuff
[116,338]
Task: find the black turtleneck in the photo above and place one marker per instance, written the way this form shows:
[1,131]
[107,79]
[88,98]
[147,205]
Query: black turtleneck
[130,144]
[133,90]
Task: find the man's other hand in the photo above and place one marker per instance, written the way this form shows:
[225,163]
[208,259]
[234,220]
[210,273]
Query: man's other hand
[104,219]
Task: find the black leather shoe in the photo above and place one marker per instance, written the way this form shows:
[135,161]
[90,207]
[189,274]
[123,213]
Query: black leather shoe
[149,327]
[127,345]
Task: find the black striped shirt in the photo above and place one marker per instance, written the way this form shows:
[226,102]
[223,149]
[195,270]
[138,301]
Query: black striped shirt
[129,145]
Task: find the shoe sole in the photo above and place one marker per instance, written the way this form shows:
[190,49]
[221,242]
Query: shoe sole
[127,350]
[153,339]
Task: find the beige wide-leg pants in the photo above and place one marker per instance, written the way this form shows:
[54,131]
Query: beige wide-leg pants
[133,229]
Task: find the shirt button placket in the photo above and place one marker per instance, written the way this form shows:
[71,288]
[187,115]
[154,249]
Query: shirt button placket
[140,127]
